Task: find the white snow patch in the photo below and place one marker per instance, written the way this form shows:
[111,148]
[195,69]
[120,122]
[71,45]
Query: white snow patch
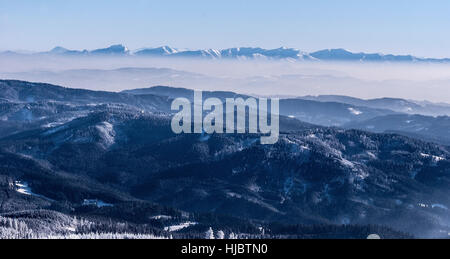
[24,188]
[254,187]
[58,123]
[423,205]
[434,158]
[347,163]
[355,111]
[107,133]
[371,155]
[305,147]
[179,227]
[161,217]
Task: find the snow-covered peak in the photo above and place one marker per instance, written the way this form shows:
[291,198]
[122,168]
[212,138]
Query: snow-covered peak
[162,51]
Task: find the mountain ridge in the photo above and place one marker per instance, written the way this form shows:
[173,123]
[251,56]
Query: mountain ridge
[282,53]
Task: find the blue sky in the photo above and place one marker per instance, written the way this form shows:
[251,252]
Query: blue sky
[396,26]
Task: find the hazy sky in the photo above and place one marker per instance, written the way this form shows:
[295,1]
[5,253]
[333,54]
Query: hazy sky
[396,26]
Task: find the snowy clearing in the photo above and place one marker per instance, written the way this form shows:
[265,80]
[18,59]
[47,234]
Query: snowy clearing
[179,227]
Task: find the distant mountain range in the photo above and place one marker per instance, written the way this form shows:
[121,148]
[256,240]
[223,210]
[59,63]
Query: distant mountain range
[238,53]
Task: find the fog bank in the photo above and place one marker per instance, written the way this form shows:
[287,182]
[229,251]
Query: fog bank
[418,81]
